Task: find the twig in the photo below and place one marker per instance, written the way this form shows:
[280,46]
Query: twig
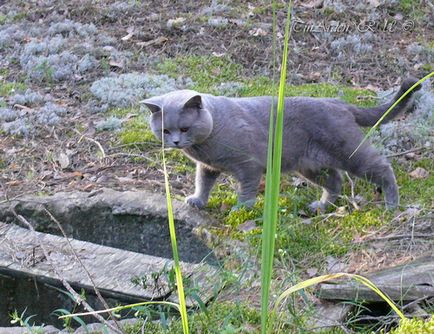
[416,149]
[93,141]
[353,193]
[68,287]
[98,294]
[130,155]
[399,236]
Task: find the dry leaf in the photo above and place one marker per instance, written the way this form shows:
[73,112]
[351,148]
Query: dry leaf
[130,34]
[14,183]
[313,4]
[258,32]
[419,173]
[116,64]
[157,41]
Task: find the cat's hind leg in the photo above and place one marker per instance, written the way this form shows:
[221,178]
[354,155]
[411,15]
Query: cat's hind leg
[369,164]
[331,182]
[205,179]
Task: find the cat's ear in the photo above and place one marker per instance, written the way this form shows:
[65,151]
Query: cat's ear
[151,105]
[195,102]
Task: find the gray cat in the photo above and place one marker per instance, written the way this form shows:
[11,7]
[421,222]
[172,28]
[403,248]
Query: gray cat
[230,135]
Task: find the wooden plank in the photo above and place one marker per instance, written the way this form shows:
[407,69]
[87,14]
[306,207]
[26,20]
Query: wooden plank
[111,269]
[406,282]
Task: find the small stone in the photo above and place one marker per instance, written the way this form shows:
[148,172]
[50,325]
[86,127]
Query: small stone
[334,265]
[410,156]
[247,226]
[312,272]
[218,22]
[63,160]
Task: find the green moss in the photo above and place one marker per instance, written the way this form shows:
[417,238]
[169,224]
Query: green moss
[415,191]
[205,71]
[209,71]
[408,6]
[220,318]
[137,132]
[264,86]
[415,326]
[9,88]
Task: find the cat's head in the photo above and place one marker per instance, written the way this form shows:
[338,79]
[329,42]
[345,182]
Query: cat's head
[186,122]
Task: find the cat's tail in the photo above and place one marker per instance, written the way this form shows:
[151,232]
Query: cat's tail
[370,116]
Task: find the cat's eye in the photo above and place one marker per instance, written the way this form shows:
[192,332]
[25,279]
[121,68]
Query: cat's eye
[183,129]
[166,131]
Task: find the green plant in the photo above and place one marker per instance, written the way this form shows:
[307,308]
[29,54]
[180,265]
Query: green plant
[23,321]
[179,282]
[8,88]
[272,188]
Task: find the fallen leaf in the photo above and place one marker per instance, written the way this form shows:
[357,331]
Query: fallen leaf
[157,41]
[173,23]
[88,187]
[130,34]
[115,63]
[419,173]
[258,32]
[13,183]
[312,4]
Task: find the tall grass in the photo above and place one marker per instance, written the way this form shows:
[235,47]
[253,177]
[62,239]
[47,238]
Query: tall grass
[177,267]
[272,178]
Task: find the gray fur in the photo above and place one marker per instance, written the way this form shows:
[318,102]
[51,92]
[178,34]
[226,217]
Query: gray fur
[230,135]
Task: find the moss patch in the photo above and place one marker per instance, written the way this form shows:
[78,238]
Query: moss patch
[264,86]
[205,71]
[9,88]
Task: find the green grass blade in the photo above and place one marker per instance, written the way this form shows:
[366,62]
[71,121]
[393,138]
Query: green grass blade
[371,130]
[272,188]
[324,278]
[120,308]
[177,267]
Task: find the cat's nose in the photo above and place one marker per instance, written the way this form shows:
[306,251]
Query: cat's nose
[176,143]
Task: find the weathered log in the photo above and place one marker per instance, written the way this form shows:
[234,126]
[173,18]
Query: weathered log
[407,282]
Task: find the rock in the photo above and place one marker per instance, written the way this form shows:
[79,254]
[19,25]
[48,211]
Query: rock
[218,22]
[327,315]
[247,226]
[132,220]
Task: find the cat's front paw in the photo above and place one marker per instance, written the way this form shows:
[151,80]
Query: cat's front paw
[246,204]
[317,207]
[195,201]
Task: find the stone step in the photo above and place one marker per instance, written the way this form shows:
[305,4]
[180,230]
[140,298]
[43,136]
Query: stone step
[112,270]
